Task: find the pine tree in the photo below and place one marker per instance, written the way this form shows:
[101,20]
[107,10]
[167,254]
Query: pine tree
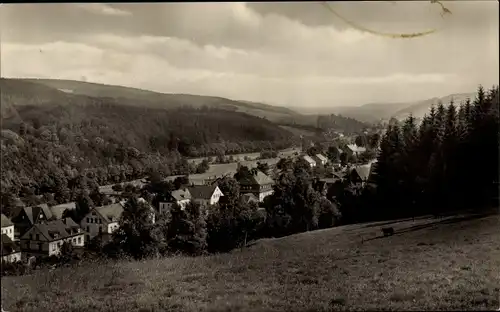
[409,163]
[484,143]
[450,165]
[388,171]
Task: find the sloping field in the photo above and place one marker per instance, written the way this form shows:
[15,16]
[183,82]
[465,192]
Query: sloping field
[429,264]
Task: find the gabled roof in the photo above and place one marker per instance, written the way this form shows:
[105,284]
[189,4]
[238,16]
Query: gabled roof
[356,149]
[7,246]
[6,221]
[259,178]
[181,194]
[249,197]
[363,171]
[56,229]
[321,157]
[202,191]
[111,213]
[330,180]
[309,159]
[33,212]
[58,210]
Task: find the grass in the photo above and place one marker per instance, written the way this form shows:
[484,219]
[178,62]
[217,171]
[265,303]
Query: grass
[298,131]
[429,264]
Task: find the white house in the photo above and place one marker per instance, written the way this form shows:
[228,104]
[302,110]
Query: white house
[321,159]
[205,195]
[46,238]
[7,227]
[180,197]
[355,150]
[309,160]
[259,184]
[102,220]
[10,251]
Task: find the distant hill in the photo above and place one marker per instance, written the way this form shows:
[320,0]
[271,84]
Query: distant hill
[421,108]
[375,112]
[51,91]
[143,124]
[145,98]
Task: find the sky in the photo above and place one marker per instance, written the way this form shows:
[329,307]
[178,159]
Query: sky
[295,54]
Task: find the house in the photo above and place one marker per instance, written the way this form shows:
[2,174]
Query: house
[46,238]
[25,217]
[309,160]
[323,185]
[58,210]
[320,159]
[249,198]
[7,227]
[10,251]
[180,197]
[360,174]
[205,195]
[258,184]
[102,220]
[355,150]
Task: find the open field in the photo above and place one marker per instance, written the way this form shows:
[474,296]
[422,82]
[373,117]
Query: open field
[429,264]
[216,170]
[298,132]
[250,156]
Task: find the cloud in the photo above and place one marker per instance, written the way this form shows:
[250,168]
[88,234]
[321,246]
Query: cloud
[232,50]
[139,68]
[103,9]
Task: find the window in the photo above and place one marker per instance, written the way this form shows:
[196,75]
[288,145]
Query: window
[88,220]
[79,240]
[37,237]
[88,228]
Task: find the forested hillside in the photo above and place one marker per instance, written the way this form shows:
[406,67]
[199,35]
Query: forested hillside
[145,98]
[50,137]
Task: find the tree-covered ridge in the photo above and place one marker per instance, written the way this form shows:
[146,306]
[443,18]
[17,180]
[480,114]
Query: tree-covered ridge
[145,98]
[50,138]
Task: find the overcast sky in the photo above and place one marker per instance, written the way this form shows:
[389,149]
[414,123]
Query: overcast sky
[290,54]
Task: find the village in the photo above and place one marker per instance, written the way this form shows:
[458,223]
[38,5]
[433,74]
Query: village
[41,231]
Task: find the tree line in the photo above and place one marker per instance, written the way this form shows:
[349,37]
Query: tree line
[447,163]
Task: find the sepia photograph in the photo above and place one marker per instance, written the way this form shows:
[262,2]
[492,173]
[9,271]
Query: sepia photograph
[250,156]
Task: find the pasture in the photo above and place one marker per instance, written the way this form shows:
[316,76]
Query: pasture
[428,264]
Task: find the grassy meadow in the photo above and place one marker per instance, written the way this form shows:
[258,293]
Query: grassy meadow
[429,264]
